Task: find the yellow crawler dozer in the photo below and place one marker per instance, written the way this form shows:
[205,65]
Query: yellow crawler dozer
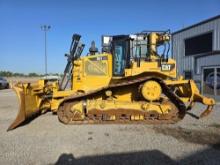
[130,81]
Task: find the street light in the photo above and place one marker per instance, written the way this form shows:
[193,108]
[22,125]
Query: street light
[45,28]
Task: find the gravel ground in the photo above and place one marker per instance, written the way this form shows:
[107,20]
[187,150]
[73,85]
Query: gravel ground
[47,141]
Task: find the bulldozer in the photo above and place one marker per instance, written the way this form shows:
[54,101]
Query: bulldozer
[132,79]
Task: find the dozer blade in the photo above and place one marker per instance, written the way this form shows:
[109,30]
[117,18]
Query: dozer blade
[28,106]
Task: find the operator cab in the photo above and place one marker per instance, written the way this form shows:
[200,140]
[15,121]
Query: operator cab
[119,47]
[123,48]
[136,47]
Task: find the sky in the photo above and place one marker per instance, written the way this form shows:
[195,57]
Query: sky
[22,40]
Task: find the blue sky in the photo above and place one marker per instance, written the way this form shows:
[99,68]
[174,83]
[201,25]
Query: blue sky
[22,41]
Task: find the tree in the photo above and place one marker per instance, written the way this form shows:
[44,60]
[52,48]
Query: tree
[33,75]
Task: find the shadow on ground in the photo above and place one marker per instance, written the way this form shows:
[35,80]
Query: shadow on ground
[154,157]
[143,157]
[209,137]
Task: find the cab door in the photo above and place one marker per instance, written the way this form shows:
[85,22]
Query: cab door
[121,54]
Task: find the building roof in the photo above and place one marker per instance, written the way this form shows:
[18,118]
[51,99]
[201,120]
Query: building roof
[197,24]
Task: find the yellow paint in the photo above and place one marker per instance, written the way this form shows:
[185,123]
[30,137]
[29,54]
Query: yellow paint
[95,72]
[151,90]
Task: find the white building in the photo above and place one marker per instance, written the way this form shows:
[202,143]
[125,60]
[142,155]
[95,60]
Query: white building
[197,52]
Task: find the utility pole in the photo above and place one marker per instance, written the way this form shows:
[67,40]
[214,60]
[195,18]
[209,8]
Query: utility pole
[45,28]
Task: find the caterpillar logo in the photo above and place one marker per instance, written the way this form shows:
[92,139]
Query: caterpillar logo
[167,67]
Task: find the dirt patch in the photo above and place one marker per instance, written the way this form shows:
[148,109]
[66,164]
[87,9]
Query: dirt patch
[210,137]
[5,107]
[106,134]
[215,125]
[132,128]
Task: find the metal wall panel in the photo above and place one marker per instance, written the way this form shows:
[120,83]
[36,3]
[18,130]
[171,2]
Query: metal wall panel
[213,60]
